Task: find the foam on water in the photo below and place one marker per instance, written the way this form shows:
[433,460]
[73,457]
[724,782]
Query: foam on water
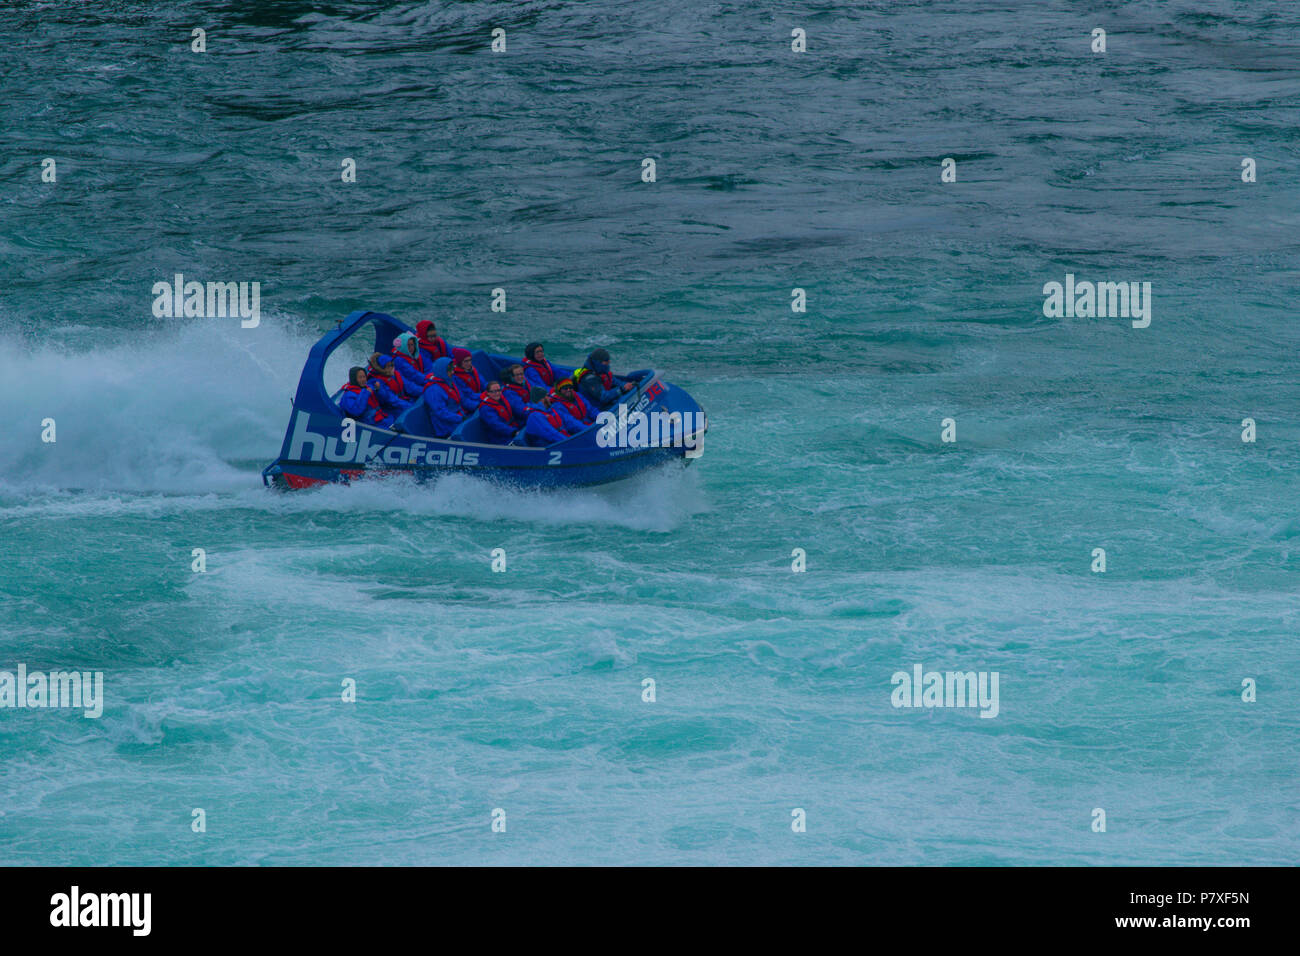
[166,411]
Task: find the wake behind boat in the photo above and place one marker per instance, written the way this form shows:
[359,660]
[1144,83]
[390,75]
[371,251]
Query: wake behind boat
[651,424]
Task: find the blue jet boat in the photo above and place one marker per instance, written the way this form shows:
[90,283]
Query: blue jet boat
[653,424]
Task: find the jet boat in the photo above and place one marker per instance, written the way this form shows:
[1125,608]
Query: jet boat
[653,424]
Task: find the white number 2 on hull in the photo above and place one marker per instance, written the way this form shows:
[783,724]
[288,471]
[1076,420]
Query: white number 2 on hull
[555,458]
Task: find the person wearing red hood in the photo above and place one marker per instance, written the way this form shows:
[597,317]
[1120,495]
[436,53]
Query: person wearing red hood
[432,347]
[467,379]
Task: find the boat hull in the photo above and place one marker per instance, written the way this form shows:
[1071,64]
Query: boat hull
[290,475]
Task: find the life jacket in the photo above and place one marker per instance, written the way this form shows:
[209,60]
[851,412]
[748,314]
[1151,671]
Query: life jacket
[474,384]
[523,391]
[372,403]
[437,345]
[542,368]
[577,408]
[390,377]
[449,387]
[606,378]
[416,363]
[500,406]
[551,415]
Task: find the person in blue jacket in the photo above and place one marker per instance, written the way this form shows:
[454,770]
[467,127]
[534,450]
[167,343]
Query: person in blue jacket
[442,402]
[465,377]
[496,415]
[411,365]
[432,346]
[574,404]
[358,402]
[516,390]
[596,382]
[386,382]
[570,423]
[544,426]
[539,371]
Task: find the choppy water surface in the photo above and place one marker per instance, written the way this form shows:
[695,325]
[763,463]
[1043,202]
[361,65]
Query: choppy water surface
[523,690]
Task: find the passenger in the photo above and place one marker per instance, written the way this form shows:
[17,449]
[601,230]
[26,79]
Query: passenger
[545,426]
[574,404]
[442,401]
[495,414]
[466,378]
[431,346]
[410,364]
[358,402]
[539,371]
[596,382]
[568,423]
[516,390]
[386,382]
